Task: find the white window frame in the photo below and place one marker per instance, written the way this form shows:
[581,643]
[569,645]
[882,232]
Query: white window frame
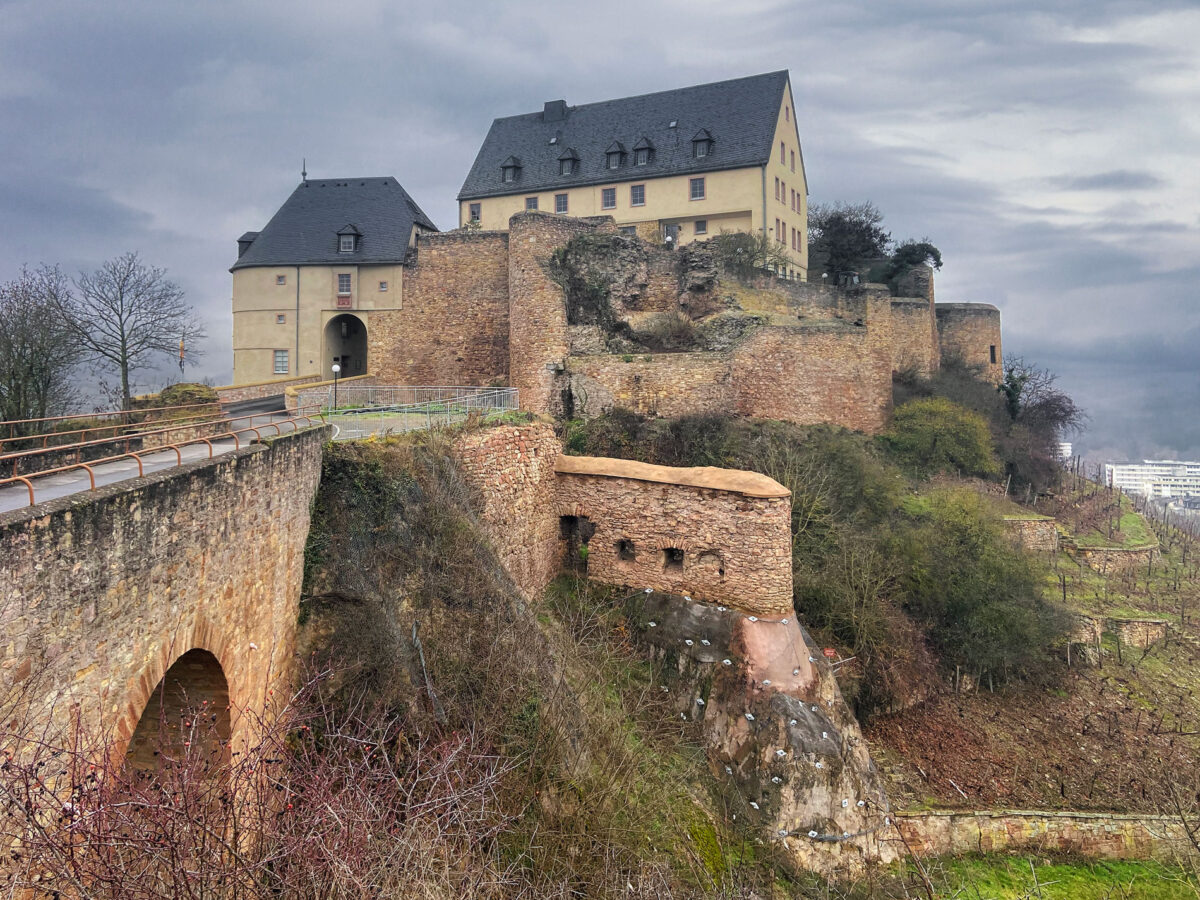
[281,356]
[534,201]
[566,167]
[509,174]
[701,226]
[474,212]
[605,195]
[692,184]
[641,157]
[701,149]
[563,204]
[345,243]
[614,160]
[348,282]
[637,187]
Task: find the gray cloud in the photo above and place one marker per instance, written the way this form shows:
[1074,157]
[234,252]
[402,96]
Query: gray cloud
[1114,180]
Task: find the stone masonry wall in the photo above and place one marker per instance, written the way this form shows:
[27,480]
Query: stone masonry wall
[841,374]
[512,468]
[1033,534]
[1116,559]
[453,327]
[915,345]
[971,331]
[1108,836]
[661,384]
[539,341]
[662,528]
[235,393]
[101,592]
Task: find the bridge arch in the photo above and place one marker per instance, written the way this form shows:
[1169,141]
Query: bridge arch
[188,711]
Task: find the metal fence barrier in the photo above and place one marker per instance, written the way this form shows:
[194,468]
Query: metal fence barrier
[364,410]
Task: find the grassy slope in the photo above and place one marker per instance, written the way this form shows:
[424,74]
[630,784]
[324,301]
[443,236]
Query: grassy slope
[1098,739]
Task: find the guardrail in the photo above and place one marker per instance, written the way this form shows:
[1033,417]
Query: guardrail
[11,424]
[374,409]
[79,447]
[46,436]
[137,455]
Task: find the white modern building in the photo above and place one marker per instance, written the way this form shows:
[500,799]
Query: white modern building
[1167,479]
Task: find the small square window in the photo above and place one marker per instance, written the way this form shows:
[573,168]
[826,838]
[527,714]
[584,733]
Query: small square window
[702,226]
[346,243]
[641,157]
[531,202]
[281,279]
[474,212]
[281,362]
[696,188]
[383,286]
[637,195]
[672,558]
[608,198]
[560,203]
[281,319]
[343,285]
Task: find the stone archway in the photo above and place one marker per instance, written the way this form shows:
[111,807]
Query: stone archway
[346,345]
[186,714]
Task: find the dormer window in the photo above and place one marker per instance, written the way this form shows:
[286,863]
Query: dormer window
[643,152]
[701,144]
[568,162]
[510,170]
[348,239]
[614,156]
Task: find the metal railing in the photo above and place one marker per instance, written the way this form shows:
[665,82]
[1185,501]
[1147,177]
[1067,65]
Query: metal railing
[137,455]
[374,409]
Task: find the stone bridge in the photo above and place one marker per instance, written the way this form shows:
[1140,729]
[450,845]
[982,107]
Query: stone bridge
[190,577]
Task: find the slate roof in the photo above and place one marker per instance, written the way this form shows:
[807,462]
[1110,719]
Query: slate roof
[740,115]
[305,229]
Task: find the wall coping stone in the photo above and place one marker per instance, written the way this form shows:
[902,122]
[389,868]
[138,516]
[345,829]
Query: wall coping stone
[737,481]
[1037,813]
[70,502]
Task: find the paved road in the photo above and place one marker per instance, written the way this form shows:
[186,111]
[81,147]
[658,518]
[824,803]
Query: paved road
[62,484]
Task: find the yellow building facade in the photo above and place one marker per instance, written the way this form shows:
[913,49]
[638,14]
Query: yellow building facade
[720,157]
[306,286]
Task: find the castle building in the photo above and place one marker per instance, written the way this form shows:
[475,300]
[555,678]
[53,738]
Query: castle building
[677,166]
[306,287]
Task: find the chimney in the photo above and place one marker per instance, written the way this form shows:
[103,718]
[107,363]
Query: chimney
[554,111]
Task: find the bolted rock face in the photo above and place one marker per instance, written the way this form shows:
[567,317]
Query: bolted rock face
[101,592]
[776,730]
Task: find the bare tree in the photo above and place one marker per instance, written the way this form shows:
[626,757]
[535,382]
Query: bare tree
[37,350]
[125,313]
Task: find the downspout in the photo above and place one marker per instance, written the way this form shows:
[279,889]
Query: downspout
[764,199]
[297,369]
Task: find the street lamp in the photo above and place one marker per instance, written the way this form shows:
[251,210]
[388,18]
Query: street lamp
[336,369]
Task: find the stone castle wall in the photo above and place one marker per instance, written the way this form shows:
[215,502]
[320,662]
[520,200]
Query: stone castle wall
[260,390]
[659,384]
[915,345]
[512,468]
[101,592]
[732,529]
[713,534]
[453,328]
[971,332]
[539,340]
[841,373]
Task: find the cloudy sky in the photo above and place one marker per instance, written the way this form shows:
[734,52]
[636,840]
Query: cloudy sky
[1048,147]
